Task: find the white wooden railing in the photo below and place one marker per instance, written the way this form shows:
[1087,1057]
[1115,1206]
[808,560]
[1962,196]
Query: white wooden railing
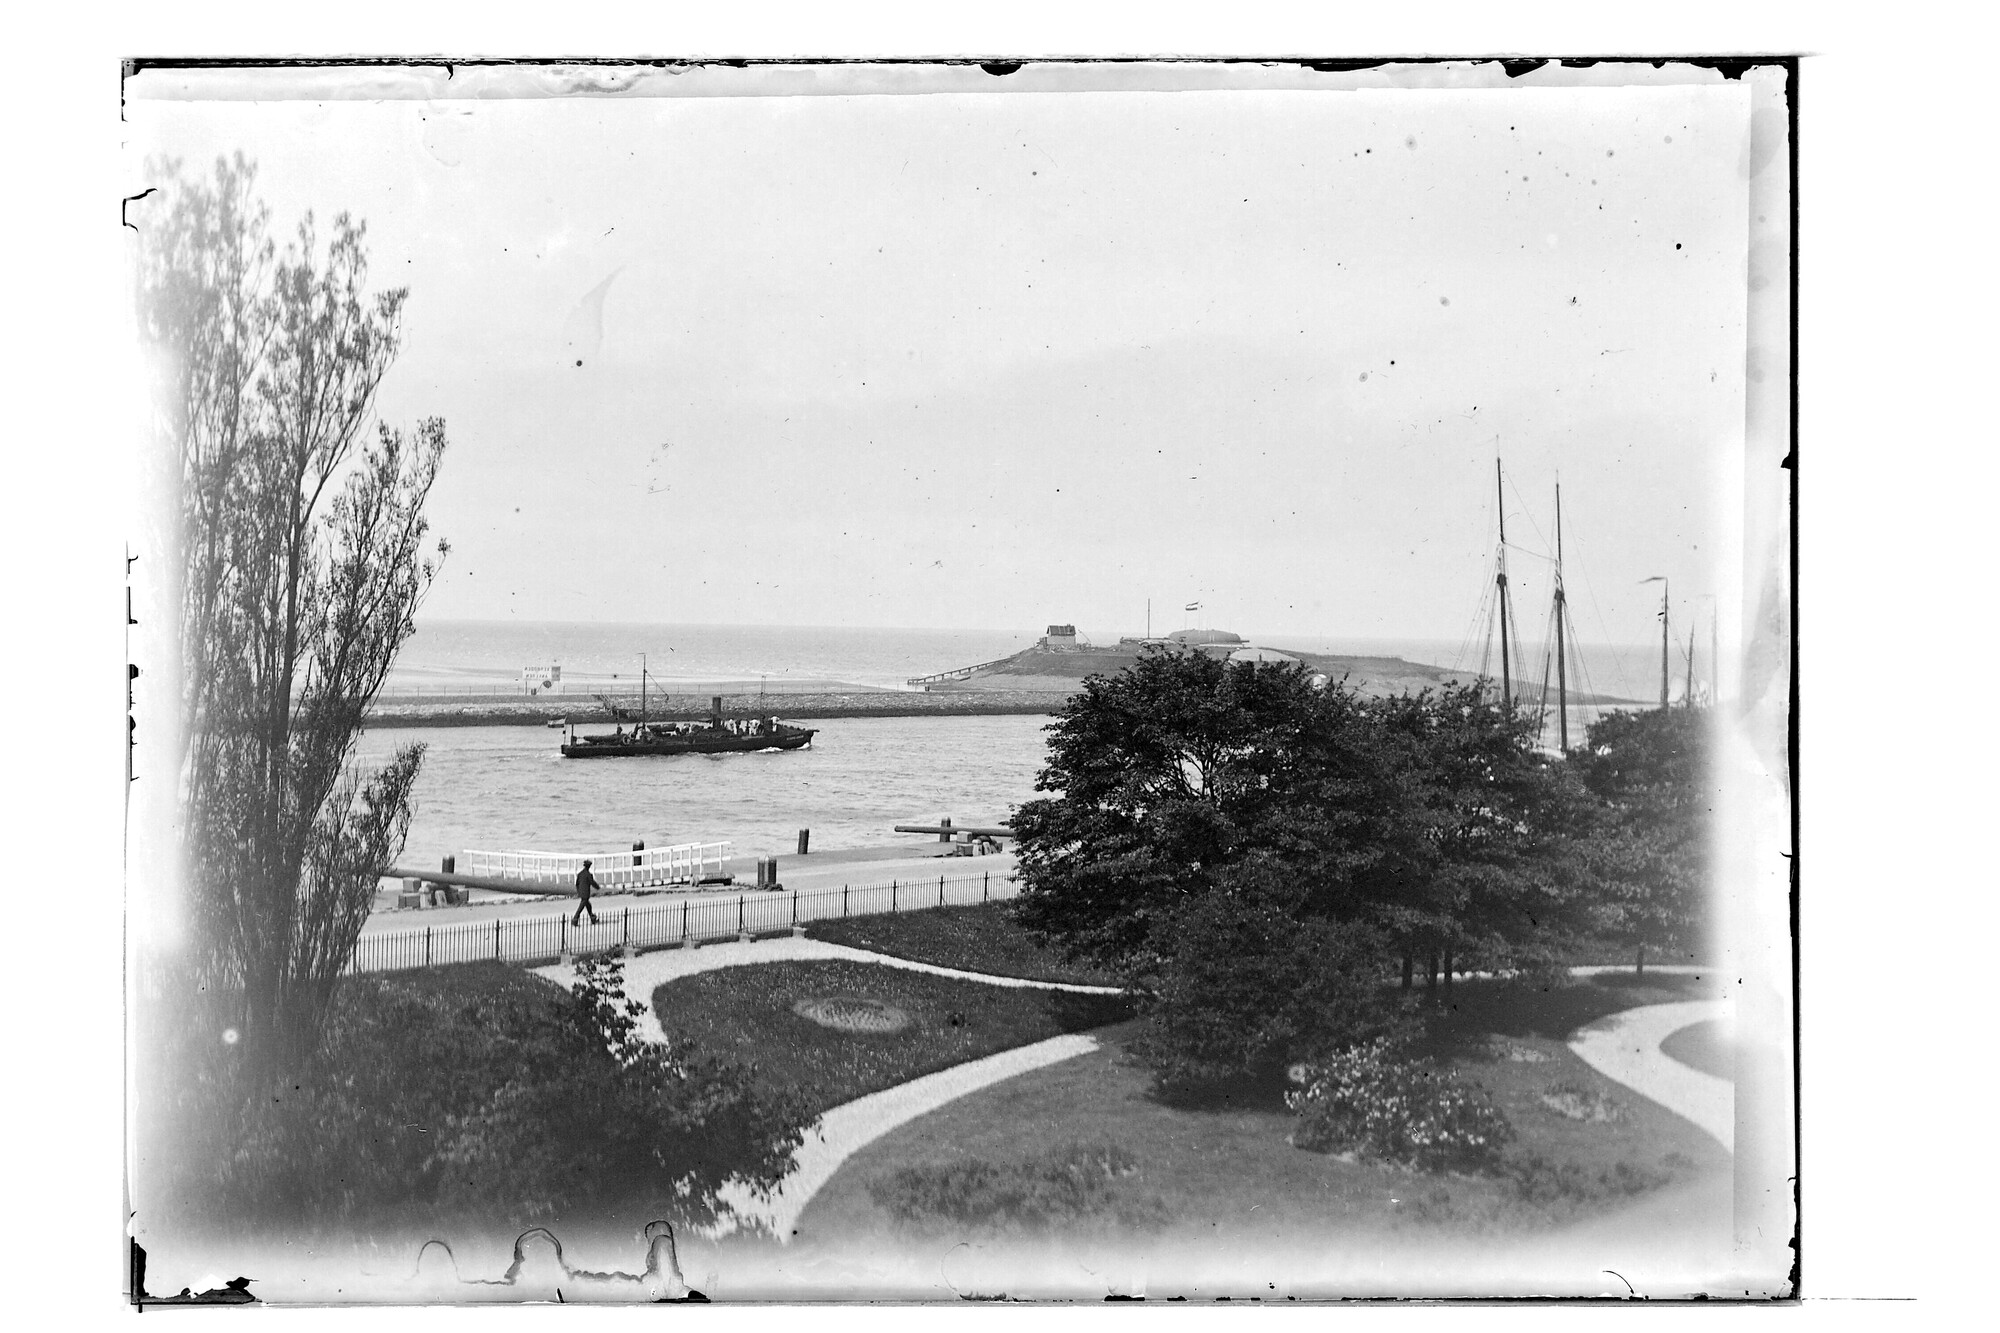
[687,863]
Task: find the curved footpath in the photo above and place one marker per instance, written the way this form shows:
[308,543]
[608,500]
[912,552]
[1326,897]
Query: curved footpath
[1624,1047]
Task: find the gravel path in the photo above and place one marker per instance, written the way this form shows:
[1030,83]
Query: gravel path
[1625,1047]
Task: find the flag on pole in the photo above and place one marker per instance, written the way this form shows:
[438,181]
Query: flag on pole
[1192,606]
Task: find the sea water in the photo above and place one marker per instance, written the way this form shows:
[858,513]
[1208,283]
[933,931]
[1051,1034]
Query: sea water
[509,788]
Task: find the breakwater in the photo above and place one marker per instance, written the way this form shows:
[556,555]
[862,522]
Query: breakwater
[505,710]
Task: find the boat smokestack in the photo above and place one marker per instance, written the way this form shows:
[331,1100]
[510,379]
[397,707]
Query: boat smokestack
[715,709]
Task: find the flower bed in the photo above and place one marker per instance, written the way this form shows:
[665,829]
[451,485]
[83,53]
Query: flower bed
[1375,1101]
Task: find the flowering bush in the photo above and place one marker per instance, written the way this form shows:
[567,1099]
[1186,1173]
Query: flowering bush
[1376,1101]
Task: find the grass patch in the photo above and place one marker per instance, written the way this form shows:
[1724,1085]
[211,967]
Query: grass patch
[1703,1046]
[1230,1171]
[1080,1187]
[752,1014]
[981,938]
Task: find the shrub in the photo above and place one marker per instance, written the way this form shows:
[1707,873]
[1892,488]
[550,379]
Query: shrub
[1375,1101]
[1077,1186]
[482,1091]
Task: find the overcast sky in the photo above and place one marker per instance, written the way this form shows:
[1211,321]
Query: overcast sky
[999,360]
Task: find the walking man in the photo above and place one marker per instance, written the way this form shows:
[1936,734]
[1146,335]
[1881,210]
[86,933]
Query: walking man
[586,884]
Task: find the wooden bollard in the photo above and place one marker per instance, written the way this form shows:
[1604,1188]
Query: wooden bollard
[944,829]
[805,839]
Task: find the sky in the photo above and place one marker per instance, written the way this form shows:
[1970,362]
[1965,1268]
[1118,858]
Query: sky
[1006,359]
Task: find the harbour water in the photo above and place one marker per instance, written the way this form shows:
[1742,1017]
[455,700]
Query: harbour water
[507,788]
[504,788]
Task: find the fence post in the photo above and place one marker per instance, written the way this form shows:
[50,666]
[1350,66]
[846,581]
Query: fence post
[625,919]
[892,895]
[940,890]
[795,907]
[497,955]
[843,900]
[985,884]
[684,918]
[427,946]
[739,914]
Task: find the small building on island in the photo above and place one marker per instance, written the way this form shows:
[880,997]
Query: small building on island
[1060,637]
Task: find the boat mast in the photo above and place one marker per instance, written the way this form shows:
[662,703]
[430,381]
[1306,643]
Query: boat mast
[1500,581]
[1687,693]
[1714,658]
[1665,586]
[1562,612]
[642,692]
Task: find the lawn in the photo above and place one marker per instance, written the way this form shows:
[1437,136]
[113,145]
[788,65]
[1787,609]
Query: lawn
[981,938]
[747,1014]
[1230,1173]
[1703,1046]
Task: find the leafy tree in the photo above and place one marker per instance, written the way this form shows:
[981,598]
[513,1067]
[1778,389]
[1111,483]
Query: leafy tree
[303,561]
[1170,772]
[1488,826]
[1251,851]
[1649,772]
[1253,982]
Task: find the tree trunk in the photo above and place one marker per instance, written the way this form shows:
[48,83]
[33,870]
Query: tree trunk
[1448,969]
[1431,984]
[1409,970]
[1639,968]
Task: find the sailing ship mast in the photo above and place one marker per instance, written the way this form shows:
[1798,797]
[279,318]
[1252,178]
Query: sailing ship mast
[1714,657]
[1500,581]
[1664,641]
[1687,692]
[1562,613]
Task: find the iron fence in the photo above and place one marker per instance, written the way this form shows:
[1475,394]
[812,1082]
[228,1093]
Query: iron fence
[690,920]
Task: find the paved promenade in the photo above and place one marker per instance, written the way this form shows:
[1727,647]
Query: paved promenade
[912,862]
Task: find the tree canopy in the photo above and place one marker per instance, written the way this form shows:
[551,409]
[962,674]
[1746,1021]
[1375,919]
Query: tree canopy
[1254,850]
[1649,774]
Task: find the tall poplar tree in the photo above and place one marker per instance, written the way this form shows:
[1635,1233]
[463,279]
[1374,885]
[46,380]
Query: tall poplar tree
[304,556]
